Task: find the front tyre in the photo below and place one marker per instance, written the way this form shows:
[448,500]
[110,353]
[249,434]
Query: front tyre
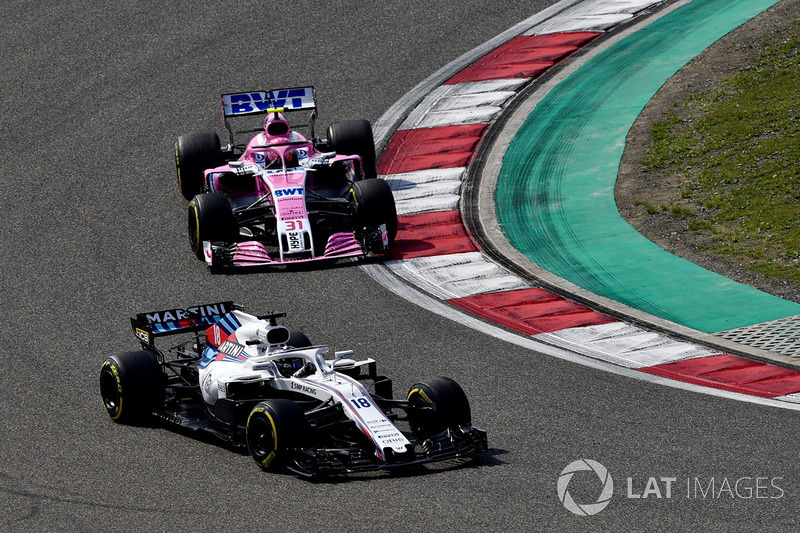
[131,386]
[195,153]
[354,137]
[436,404]
[210,219]
[274,427]
[373,205]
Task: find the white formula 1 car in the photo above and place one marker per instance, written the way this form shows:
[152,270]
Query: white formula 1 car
[258,385]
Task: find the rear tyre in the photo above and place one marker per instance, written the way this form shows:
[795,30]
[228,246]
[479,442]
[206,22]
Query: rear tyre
[373,205]
[195,153]
[435,405]
[131,386]
[354,137]
[274,427]
[210,219]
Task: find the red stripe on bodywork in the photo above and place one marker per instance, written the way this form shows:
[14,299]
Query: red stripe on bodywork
[526,56]
[530,311]
[732,373]
[428,234]
[427,148]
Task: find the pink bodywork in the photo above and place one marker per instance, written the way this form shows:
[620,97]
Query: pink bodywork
[286,187]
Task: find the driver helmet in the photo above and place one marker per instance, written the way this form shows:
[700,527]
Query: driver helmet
[292,158]
[289,365]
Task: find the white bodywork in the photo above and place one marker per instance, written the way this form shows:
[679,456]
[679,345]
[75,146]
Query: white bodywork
[239,359]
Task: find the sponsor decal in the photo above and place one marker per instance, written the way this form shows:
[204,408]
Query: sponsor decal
[231,348]
[288,192]
[388,441]
[303,388]
[295,240]
[260,102]
[143,335]
[183,314]
[293,213]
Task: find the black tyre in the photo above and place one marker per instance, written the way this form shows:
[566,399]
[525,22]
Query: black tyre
[373,205]
[298,339]
[274,427]
[210,219]
[435,405]
[195,153]
[131,386]
[354,137]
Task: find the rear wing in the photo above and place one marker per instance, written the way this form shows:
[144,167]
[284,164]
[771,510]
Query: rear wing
[253,103]
[262,102]
[148,326]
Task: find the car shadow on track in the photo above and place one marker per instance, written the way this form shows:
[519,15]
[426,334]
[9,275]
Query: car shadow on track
[487,459]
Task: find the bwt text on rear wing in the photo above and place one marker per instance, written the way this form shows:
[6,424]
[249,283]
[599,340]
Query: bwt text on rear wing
[147,326]
[252,103]
[260,102]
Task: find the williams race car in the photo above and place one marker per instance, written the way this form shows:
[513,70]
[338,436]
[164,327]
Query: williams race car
[257,385]
[283,197]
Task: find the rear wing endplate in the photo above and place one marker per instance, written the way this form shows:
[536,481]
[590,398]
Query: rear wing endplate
[147,326]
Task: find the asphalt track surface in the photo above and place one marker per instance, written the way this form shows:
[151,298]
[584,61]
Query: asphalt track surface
[94,95]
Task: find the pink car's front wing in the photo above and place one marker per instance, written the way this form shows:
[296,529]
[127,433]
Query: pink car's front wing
[254,253]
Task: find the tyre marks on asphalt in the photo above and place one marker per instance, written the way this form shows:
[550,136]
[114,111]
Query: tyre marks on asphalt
[424,163]
[451,146]
[530,311]
[430,234]
[526,56]
[734,374]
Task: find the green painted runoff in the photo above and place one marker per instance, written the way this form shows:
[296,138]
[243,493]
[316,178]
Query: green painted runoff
[555,193]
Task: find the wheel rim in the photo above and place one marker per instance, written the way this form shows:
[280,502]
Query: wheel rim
[261,440]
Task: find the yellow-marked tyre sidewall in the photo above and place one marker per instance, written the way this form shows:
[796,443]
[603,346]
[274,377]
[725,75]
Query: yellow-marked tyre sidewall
[263,453]
[194,229]
[418,391]
[443,403]
[131,386]
[210,218]
[274,428]
[113,404]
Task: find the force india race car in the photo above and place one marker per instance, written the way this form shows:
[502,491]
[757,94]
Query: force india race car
[258,385]
[283,197]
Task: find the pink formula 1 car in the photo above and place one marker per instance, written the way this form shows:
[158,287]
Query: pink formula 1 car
[283,197]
